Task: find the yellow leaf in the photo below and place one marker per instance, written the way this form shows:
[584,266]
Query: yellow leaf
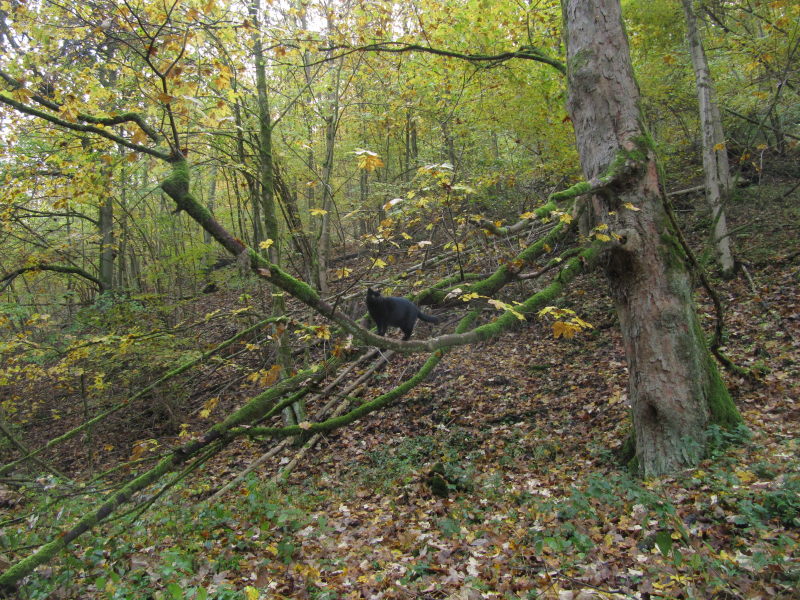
[205,413]
[21,94]
[630,206]
[379,263]
[720,146]
[139,136]
[581,323]
[318,212]
[369,161]
[568,330]
[251,593]
[566,218]
[266,244]
[603,237]
[527,215]
[305,425]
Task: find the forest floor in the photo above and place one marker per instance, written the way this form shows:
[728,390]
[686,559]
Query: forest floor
[497,477]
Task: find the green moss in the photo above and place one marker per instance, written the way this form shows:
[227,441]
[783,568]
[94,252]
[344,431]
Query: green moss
[297,288]
[579,189]
[671,251]
[579,60]
[723,411]
[177,184]
[627,452]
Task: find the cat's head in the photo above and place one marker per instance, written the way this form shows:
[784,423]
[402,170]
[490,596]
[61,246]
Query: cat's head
[373,293]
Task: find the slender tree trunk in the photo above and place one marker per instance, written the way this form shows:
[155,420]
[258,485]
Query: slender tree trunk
[715,154]
[211,202]
[296,413]
[332,123]
[107,250]
[675,389]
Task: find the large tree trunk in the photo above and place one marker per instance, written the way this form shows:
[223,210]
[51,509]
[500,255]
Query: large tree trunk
[675,389]
[715,154]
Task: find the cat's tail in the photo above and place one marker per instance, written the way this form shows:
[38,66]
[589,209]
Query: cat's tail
[428,318]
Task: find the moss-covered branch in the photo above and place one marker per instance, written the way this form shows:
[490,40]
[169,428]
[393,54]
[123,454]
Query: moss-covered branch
[571,269]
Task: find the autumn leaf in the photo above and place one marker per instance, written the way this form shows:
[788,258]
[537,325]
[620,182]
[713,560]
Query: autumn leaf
[208,406]
[251,593]
[500,305]
[318,212]
[368,161]
[266,244]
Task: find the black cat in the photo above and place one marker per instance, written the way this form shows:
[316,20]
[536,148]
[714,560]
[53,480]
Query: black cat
[396,312]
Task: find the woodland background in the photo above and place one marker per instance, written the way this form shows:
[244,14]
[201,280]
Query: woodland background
[407,146]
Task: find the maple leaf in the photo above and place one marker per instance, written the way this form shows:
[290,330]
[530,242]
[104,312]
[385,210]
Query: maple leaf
[318,212]
[368,161]
[565,329]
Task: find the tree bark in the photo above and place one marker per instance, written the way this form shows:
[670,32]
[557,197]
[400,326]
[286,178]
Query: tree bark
[107,250]
[715,154]
[675,389]
[296,413]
